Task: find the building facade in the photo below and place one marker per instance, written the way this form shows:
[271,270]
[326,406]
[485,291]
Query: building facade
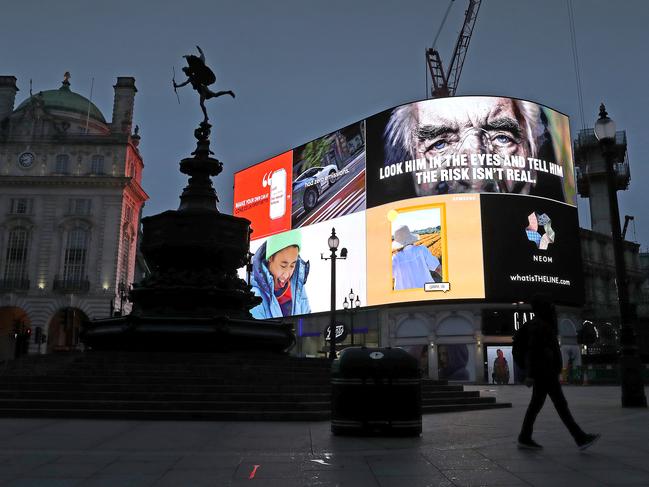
[70,201]
[460,341]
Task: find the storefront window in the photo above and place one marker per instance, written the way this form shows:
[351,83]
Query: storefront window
[453,362]
[500,365]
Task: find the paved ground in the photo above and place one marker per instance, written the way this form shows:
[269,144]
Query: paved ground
[464,449]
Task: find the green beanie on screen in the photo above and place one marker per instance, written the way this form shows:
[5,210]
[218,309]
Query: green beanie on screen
[282,240]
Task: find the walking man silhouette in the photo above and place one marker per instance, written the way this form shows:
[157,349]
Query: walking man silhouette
[543,365]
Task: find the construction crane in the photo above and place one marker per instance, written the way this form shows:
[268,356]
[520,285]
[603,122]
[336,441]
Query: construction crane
[445,83]
[627,219]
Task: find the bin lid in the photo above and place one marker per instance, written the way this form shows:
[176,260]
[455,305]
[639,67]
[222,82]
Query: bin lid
[388,362]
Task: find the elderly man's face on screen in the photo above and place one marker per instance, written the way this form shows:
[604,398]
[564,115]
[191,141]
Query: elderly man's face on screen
[473,125]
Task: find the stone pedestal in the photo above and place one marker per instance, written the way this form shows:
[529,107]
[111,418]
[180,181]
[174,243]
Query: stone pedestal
[193,299]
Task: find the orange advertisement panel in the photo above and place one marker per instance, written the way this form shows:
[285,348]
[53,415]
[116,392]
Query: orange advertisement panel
[426,248]
[262,194]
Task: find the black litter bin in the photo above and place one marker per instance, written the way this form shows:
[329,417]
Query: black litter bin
[375,391]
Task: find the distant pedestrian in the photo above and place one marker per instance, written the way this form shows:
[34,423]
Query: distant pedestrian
[543,365]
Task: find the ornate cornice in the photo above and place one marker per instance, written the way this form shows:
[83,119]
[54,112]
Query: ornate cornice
[15,221]
[89,181]
[137,190]
[68,139]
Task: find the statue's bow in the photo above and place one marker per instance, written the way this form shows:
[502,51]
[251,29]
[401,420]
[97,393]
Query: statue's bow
[173,81]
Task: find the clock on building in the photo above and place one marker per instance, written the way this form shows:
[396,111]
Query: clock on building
[25,160]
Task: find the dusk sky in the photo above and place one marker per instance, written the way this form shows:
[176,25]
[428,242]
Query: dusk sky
[303,68]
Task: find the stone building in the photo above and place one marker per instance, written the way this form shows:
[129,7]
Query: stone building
[471,331]
[600,294]
[643,305]
[600,303]
[70,201]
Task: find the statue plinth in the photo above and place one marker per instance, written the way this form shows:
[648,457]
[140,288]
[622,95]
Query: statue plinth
[193,299]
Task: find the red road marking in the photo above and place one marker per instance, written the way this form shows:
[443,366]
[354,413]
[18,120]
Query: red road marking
[254,471]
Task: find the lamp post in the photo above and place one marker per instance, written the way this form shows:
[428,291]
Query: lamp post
[333,243]
[352,305]
[631,376]
[249,257]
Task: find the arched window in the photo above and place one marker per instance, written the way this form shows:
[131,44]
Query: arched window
[97,164]
[15,271]
[62,163]
[76,250]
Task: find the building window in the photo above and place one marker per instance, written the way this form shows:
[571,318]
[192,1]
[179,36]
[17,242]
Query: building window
[21,206]
[62,163]
[15,270]
[76,249]
[79,206]
[97,164]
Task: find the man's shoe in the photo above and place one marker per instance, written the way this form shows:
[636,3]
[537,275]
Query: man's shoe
[588,441]
[528,444]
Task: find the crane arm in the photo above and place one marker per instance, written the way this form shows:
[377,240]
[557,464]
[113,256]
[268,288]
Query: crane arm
[439,87]
[462,46]
[627,219]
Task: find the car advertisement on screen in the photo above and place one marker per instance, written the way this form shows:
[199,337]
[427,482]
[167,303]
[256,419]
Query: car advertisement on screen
[462,198]
[469,145]
[329,176]
[262,195]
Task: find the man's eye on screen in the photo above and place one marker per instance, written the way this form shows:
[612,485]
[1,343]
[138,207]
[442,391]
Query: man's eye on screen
[504,140]
[437,145]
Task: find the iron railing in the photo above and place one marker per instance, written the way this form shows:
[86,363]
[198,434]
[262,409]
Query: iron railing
[71,285]
[14,284]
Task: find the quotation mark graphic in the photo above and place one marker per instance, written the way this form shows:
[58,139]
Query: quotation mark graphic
[267,179]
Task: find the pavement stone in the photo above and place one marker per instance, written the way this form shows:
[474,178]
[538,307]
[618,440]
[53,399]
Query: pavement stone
[41,482]
[476,448]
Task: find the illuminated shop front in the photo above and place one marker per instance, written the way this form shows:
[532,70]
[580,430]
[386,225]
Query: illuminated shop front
[449,210]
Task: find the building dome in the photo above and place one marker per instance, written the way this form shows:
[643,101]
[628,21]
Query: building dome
[65,100]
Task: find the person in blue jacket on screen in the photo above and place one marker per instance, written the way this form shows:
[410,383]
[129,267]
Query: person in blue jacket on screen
[412,265]
[278,277]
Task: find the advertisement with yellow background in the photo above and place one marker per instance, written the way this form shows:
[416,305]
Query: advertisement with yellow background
[425,248]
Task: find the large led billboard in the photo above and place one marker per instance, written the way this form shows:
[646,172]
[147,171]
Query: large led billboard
[464,198]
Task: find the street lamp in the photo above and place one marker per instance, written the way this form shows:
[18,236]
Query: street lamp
[122,292]
[630,372]
[333,243]
[249,257]
[352,305]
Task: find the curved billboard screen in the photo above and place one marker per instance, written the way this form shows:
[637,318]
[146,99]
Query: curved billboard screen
[444,199]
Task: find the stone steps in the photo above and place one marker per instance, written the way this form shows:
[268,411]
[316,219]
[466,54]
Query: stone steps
[125,386]
[185,386]
[169,415]
[40,395]
[155,405]
[212,397]
[454,408]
